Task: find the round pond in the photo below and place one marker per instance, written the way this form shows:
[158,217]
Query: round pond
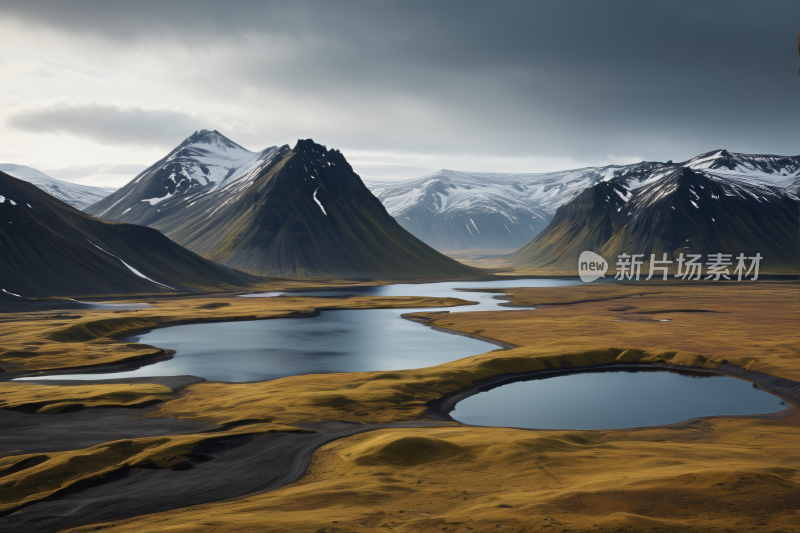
[613,399]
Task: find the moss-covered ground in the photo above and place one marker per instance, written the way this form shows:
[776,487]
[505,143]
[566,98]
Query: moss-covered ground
[717,474]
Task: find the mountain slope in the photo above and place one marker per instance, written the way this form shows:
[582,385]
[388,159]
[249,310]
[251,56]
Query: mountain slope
[78,196]
[201,165]
[48,248]
[451,210]
[457,210]
[460,210]
[681,211]
[585,223]
[307,213]
[282,211]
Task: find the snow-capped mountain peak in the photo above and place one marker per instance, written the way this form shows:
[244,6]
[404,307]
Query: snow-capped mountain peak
[210,144]
[432,207]
[204,163]
[453,210]
[74,194]
[774,169]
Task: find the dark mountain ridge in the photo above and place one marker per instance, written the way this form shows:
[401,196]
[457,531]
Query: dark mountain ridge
[685,211]
[294,212]
[51,249]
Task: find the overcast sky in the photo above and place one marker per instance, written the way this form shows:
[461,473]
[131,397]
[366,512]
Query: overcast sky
[93,91]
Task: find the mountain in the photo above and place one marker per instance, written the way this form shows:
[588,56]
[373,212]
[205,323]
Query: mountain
[286,212]
[675,210]
[460,210]
[206,163]
[49,248]
[78,196]
[452,210]
[775,169]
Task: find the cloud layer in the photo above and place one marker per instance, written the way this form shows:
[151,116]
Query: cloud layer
[489,86]
[109,123]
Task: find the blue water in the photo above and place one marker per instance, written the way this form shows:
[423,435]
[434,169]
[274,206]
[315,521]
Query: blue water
[380,340]
[613,400]
[449,289]
[335,341]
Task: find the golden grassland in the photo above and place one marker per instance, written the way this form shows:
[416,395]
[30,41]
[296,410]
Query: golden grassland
[752,325]
[723,474]
[54,399]
[714,475]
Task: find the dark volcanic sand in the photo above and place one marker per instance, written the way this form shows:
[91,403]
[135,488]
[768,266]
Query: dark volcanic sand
[238,466]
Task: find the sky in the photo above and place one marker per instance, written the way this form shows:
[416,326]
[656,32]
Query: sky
[94,92]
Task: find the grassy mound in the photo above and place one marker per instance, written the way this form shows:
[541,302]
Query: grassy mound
[391,450]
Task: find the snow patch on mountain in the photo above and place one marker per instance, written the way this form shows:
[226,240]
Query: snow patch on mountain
[318,202]
[130,267]
[453,191]
[207,167]
[756,169]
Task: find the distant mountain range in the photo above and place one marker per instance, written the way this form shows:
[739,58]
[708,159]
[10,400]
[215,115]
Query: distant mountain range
[78,196]
[304,212]
[460,210]
[281,211]
[49,248]
[715,203]
[456,210]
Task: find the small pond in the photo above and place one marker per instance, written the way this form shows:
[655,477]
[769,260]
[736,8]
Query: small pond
[613,400]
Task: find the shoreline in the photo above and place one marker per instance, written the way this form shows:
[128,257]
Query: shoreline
[785,389]
[163,354]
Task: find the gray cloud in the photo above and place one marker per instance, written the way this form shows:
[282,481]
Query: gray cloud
[663,80]
[111,123]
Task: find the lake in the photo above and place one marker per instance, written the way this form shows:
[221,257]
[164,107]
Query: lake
[346,340]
